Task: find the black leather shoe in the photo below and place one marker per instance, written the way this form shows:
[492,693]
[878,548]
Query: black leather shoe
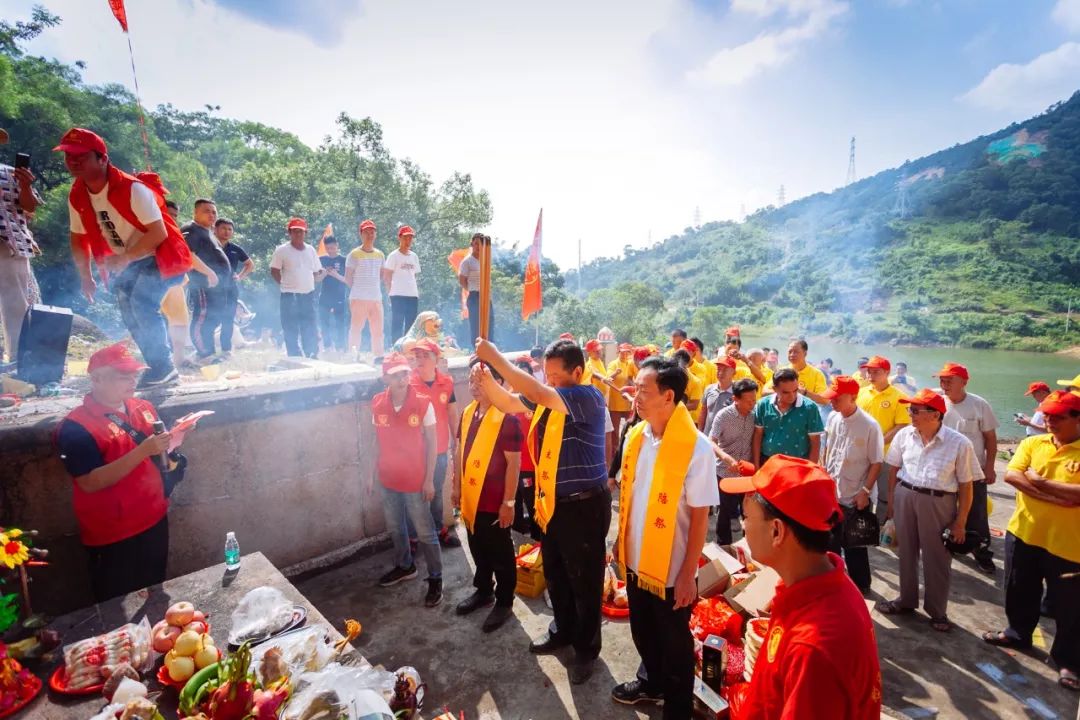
[474,602]
[497,618]
[547,644]
[581,671]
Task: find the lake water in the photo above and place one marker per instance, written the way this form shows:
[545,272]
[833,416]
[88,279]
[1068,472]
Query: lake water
[1000,376]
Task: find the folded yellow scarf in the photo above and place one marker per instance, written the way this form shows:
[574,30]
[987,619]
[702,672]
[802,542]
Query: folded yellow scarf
[474,468]
[665,491]
[546,462]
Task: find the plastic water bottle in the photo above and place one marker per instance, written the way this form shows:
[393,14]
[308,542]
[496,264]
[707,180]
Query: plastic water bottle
[232,552]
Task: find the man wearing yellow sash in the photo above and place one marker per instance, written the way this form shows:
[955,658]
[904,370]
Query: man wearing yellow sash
[485,486]
[573,503]
[668,486]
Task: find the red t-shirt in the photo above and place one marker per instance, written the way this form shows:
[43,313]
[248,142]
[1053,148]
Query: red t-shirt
[524,420]
[509,440]
[819,658]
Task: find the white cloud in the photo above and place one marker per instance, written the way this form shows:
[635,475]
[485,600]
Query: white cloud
[1067,14]
[1031,87]
[771,48]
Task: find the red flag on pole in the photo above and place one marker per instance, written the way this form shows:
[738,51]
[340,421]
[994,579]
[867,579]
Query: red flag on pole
[120,12]
[532,299]
[327,232]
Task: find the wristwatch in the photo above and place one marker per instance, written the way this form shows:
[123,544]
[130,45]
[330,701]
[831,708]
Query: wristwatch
[508,503]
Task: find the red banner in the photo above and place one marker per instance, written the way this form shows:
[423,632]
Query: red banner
[120,12]
[327,232]
[532,299]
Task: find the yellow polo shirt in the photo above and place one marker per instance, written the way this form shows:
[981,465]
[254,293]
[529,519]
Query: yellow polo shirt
[1051,527]
[694,389]
[616,402]
[742,372]
[704,370]
[884,406]
[863,381]
[594,370]
[811,378]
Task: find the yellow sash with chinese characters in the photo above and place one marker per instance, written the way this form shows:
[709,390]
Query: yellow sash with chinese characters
[546,462]
[474,468]
[668,478]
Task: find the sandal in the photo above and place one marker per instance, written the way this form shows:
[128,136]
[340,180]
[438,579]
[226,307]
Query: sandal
[892,607]
[941,624]
[1068,680]
[1000,638]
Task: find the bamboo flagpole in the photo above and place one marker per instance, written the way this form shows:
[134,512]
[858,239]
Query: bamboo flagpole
[485,287]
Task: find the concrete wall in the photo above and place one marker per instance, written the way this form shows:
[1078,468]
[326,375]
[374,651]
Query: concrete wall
[286,467]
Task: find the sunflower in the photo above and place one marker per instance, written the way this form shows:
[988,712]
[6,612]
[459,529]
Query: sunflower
[13,553]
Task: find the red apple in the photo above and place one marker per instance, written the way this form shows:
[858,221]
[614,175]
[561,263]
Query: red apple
[198,616]
[196,625]
[164,638]
[180,614]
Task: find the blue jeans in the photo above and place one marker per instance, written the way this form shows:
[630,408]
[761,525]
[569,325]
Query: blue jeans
[437,501]
[398,505]
[139,290]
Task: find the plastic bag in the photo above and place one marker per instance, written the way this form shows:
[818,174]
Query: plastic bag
[860,528]
[306,650]
[261,613]
[341,693]
[90,662]
[888,534]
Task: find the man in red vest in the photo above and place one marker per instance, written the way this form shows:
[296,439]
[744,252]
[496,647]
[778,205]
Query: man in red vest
[109,447]
[439,387]
[405,445]
[119,220]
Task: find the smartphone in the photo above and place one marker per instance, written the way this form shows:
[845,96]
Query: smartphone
[22,160]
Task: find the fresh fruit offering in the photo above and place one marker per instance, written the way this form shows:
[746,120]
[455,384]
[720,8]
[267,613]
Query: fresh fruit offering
[190,652]
[180,618]
[17,684]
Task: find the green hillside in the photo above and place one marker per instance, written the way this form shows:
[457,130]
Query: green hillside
[977,245]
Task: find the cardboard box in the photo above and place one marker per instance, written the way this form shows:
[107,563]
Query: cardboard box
[753,596]
[713,579]
[729,557]
[713,661]
[707,704]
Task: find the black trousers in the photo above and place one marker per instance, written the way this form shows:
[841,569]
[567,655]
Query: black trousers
[129,565]
[403,311]
[574,552]
[524,522]
[473,304]
[298,324]
[978,521]
[663,640]
[492,549]
[1026,567]
[207,306]
[729,509]
[228,317]
[333,321]
[857,559]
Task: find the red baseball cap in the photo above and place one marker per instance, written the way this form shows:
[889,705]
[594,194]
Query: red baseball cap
[641,353]
[80,140]
[367,225]
[690,346]
[296,223]
[1036,387]
[405,230]
[732,331]
[566,336]
[593,345]
[800,489]
[117,357]
[1060,402]
[877,362]
[626,347]
[952,370]
[395,363]
[427,345]
[841,385]
[725,361]
[927,398]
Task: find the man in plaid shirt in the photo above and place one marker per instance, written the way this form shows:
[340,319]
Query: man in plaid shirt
[18,200]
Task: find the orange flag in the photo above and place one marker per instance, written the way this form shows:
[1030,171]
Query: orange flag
[532,300]
[119,12]
[457,256]
[322,240]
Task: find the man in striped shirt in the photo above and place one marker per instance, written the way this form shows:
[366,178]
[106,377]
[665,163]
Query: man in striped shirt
[362,270]
[732,433]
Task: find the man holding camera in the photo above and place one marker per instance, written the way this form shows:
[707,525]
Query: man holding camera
[18,200]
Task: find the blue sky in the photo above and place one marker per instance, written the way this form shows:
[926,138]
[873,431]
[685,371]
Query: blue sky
[619,117]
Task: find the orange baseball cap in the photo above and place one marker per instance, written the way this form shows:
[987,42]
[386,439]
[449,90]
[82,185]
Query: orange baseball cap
[952,370]
[1036,387]
[296,223]
[405,230]
[367,225]
[877,362]
[566,336]
[117,357]
[626,347]
[593,346]
[841,385]
[690,346]
[1060,402]
[428,345]
[732,331]
[395,363]
[927,398]
[800,489]
[641,353]
[725,361]
[80,140]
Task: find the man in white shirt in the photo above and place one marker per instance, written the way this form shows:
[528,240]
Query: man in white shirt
[469,279]
[973,417]
[295,267]
[931,468]
[854,452]
[1036,424]
[399,276]
[668,486]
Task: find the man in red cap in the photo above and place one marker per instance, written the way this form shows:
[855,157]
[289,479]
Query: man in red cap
[399,276]
[854,454]
[469,279]
[119,221]
[1036,424]
[621,372]
[695,390]
[717,395]
[295,267]
[880,399]
[931,468]
[109,448]
[819,657]
[732,436]
[972,416]
[1042,543]
[363,271]
[405,447]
